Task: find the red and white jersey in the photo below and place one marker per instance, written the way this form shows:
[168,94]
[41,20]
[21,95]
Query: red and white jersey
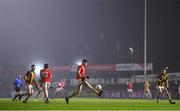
[129,85]
[60,84]
[45,75]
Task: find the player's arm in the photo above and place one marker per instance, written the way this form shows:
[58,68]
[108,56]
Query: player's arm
[149,86]
[21,83]
[15,82]
[31,77]
[63,84]
[79,74]
[167,82]
[159,79]
[50,74]
[25,77]
[41,75]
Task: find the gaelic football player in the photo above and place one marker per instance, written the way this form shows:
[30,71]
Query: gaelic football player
[163,85]
[80,79]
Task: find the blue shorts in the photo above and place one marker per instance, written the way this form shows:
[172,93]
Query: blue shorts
[17,89]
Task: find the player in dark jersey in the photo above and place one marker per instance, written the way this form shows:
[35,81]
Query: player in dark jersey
[29,78]
[163,85]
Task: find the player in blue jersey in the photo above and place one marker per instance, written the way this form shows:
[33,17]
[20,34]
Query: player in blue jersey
[17,83]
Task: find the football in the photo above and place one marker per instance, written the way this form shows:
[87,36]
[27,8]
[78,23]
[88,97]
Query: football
[98,87]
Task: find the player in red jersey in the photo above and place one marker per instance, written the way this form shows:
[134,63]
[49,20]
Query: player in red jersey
[59,88]
[80,78]
[46,76]
[130,89]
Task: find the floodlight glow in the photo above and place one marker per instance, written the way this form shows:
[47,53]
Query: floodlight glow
[78,62]
[38,68]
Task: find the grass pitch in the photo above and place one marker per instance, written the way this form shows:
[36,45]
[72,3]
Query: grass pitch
[89,104]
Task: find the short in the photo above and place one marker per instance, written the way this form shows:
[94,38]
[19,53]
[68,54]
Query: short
[146,90]
[30,88]
[160,88]
[59,89]
[46,85]
[79,84]
[129,90]
[17,89]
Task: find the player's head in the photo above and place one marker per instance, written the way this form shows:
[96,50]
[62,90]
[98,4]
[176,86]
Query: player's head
[46,66]
[163,71]
[33,67]
[84,62]
[19,76]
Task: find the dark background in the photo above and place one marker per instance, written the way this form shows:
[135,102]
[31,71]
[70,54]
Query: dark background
[64,31]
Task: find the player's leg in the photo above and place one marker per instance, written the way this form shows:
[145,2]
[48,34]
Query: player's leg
[45,91]
[145,95]
[148,94]
[75,93]
[16,94]
[26,93]
[85,83]
[39,92]
[159,91]
[30,91]
[168,95]
[20,95]
[29,94]
[55,93]
[62,92]
[128,93]
[132,93]
[46,86]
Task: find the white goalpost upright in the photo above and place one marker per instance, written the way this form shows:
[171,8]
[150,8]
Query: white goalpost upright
[145,52]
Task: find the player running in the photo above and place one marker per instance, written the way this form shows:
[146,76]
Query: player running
[163,85]
[29,78]
[46,76]
[147,92]
[80,78]
[130,89]
[59,88]
[17,83]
